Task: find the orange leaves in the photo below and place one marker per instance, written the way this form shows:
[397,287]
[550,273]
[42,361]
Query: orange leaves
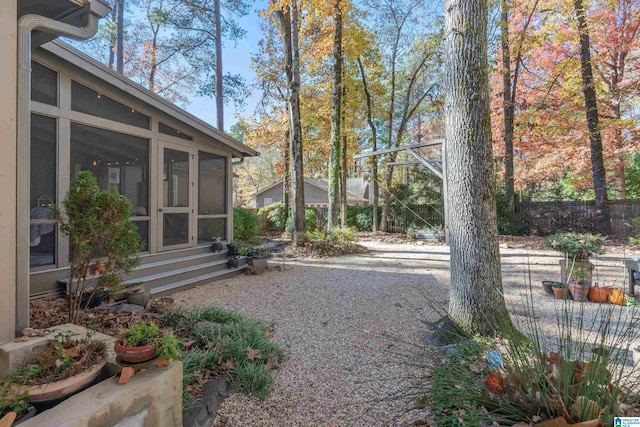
[494,383]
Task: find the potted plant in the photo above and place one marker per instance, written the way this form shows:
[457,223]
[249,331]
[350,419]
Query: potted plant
[144,341]
[559,290]
[216,246]
[599,294]
[63,368]
[578,287]
[577,248]
[547,285]
[233,251]
[257,257]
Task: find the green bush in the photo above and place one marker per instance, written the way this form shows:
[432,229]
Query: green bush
[277,215]
[310,219]
[576,245]
[245,224]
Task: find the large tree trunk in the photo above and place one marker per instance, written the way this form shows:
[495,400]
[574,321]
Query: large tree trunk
[120,38]
[508,109]
[297,175]
[219,88]
[336,107]
[603,222]
[286,187]
[374,146]
[476,303]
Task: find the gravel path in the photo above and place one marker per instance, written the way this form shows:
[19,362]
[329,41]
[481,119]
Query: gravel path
[348,325]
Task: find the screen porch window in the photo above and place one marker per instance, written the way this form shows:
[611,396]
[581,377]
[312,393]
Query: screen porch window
[89,101]
[212,197]
[43,189]
[117,161]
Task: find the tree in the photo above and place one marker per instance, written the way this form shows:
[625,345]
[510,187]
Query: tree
[336,110]
[603,222]
[287,16]
[476,302]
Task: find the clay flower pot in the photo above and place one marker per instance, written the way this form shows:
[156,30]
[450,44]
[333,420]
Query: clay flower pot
[135,354]
[559,293]
[579,291]
[598,294]
[68,386]
[547,285]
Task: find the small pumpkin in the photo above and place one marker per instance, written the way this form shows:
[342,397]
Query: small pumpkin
[616,296]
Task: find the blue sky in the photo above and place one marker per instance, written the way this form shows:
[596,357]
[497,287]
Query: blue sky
[236,59]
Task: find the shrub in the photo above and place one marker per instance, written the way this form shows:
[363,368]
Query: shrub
[102,239]
[245,224]
[277,215]
[576,245]
[310,219]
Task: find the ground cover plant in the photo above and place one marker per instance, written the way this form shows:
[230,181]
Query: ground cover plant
[580,373]
[224,341]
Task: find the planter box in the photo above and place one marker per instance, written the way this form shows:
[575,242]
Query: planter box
[259,263]
[152,397]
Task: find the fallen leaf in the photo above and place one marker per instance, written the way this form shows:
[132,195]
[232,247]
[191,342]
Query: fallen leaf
[556,422]
[398,305]
[253,354]
[494,383]
[420,403]
[71,352]
[272,362]
[427,374]
[22,339]
[228,365]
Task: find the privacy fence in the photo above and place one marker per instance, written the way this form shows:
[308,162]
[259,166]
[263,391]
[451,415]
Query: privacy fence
[538,218]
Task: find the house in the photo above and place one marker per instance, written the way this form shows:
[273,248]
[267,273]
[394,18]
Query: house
[70,114]
[316,193]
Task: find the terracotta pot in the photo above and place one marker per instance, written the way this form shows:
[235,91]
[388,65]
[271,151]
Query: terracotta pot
[63,388]
[559,293]
[598,294]
[579,291]
[135,354]
[547,285]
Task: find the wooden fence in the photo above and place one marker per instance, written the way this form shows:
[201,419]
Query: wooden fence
[549,217]
[539,218]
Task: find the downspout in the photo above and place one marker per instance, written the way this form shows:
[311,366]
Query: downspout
[27,24]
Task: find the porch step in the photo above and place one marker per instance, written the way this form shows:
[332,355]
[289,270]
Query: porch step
[172,272]
[196,281]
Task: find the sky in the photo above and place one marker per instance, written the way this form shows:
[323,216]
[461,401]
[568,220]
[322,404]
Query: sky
[235,59]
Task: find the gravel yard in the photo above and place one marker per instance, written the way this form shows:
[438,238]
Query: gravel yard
[347,324]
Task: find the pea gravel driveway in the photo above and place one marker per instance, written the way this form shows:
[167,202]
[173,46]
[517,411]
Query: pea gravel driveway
[348,324]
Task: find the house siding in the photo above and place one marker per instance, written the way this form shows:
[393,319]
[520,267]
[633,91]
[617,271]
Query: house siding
[312,195]
[8,116]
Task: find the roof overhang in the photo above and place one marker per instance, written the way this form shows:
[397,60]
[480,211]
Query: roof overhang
[95,68]
[72,12]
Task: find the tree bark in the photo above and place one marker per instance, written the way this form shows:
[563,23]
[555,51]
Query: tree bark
[113,41]
[603,222]
[297,175]
[476,303]
[508,110]
[336,107]
[374,146]
[120,38]
[286,187]
[218,46]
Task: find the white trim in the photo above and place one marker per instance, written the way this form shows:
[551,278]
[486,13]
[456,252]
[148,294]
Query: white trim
[101,72]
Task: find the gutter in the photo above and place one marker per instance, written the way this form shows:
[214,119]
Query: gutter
[27,24]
